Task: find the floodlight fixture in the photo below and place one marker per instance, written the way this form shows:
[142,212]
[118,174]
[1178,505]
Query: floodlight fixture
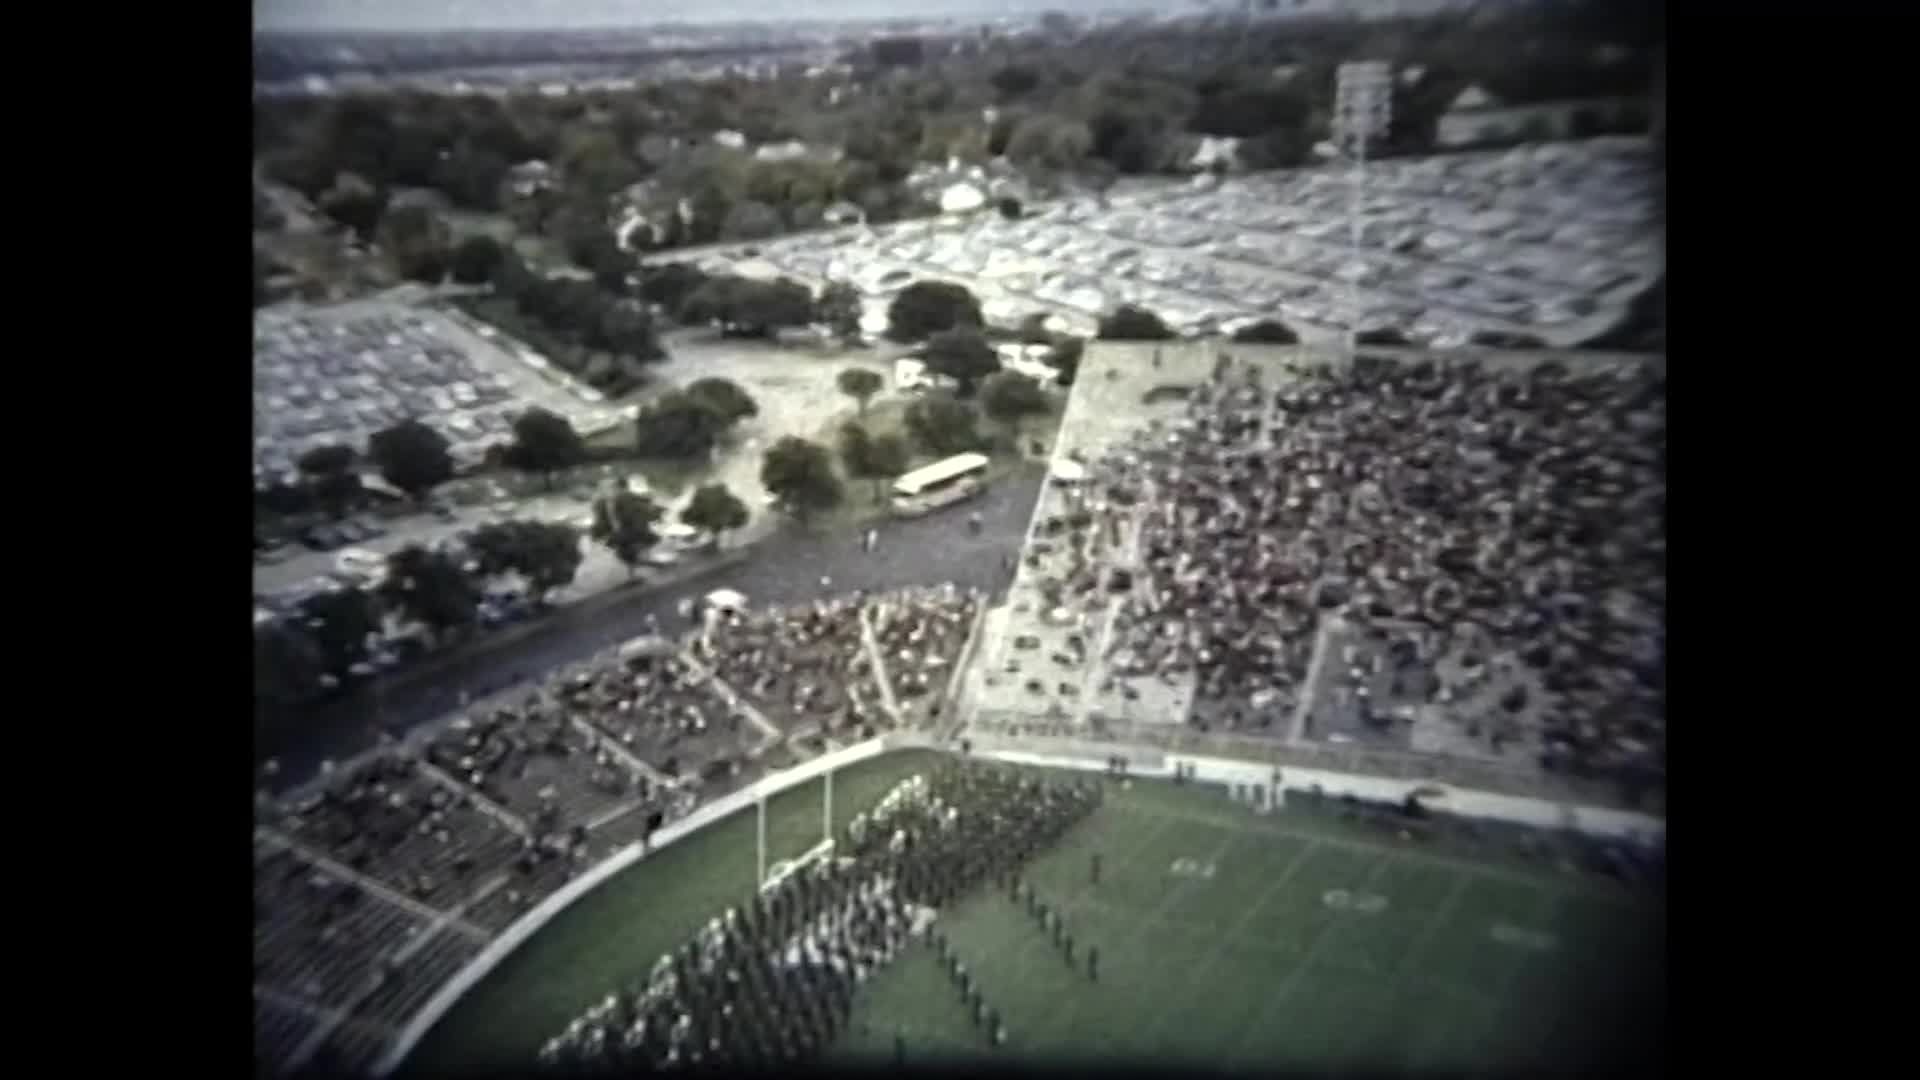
[1362,112]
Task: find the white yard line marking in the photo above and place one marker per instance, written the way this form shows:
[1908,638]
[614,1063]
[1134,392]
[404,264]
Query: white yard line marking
[1452,862]
[1234,932]
[1292,978]
[1461,882]
[1076,897]
[1068,1007]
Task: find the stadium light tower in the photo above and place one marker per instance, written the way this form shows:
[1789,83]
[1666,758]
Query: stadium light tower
[1362,112]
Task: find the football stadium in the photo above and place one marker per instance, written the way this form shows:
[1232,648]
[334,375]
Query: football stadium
[1258,758]
[1225,937]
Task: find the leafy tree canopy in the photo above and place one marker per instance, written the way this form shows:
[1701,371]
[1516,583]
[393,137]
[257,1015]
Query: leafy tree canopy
[412,457]
[925,308]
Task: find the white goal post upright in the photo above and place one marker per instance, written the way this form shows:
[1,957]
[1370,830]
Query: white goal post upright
[826,811]
[760,862]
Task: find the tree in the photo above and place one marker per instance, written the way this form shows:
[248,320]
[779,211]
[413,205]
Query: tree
[551,557]
[328,475]
[1015,80]
[1010,397]
[1009,207]
[412,457]
[1065,359]
[1503,339]
[472,177]
[725,397]
[860,385]
[1281,149]
[286,665]
[339,623]
[677,426]
[545,554]
[475,260]
[925,308]
[669,284]
[1247,112]
[356,204]
[749,308]
[1050,144]
[431,588]
[545,443]
[1536,128]
[963,355]
[877,458]
[1130,323]
[839,308]
[1129,141]
[800,477]
[943,425]
[417,240]
[1384,335]
[1267,332]
[623,522]
[898,51]
[626,329]
[750,220]
[715,511]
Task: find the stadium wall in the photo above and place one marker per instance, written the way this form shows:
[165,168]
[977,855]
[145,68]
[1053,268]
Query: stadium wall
[1089,757]
[1464,802]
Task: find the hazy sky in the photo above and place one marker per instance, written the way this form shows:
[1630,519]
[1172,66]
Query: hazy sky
[567,14]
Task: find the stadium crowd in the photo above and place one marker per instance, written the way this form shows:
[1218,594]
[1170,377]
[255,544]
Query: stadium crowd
[774,984]
[1483,543]
[921,634]
[800,665]
[373,886]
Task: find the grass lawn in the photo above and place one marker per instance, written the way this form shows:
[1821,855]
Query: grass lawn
[1437,959]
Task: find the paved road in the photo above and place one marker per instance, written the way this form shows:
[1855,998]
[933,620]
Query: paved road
[786,568]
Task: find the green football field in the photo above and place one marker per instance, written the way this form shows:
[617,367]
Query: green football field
[1226,938]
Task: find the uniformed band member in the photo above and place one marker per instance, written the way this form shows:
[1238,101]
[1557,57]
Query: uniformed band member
[775,982]
[1096,868]
[1093,963]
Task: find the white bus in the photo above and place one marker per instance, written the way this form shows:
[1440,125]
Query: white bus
[939,484]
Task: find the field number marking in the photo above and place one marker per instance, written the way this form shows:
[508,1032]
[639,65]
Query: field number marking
[1519,937]
[1360,903]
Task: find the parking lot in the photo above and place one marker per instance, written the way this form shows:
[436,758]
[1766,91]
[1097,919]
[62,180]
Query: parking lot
[335,375]
[1549,240]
